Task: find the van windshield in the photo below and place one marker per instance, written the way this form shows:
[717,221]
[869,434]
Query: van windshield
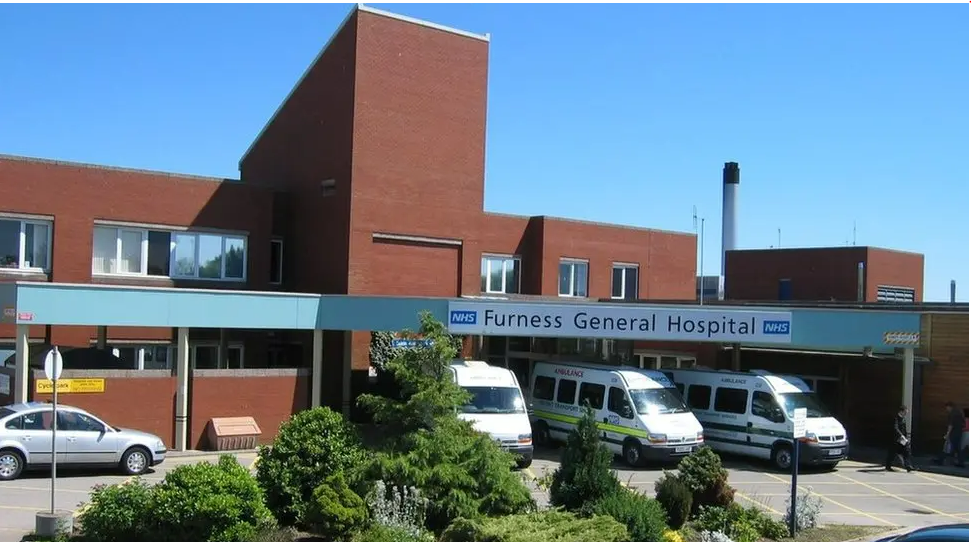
[809,401]
[658,401]
[490,400]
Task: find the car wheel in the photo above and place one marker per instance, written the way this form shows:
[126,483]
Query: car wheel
[11,464]
[782,457]
[135,461]
[632,453]
[524,463]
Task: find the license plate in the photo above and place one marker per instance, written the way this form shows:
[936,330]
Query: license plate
[836,451]
[682,449]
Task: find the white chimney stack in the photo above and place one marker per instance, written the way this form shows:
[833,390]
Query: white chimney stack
[730,177]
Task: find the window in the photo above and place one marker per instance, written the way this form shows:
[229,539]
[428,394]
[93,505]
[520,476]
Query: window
[699,397]
[206,356]
[618,404]
[764,406]
[208,256]
[276,261]
[25,244]
[657,401]
[156,357]
[573,278]
[543,388]
[624,282]
[140,252]
[895,294]
[75,421]
[566,393]
[500,274]
[491,400]
[35,421]
[592,394]
[731,400]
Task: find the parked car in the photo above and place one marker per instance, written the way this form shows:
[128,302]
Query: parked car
[83,440]
[954,532]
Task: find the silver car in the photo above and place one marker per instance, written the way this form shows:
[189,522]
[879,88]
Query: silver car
[83,440]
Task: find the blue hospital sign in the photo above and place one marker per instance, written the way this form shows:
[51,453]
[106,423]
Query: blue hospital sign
[604,321]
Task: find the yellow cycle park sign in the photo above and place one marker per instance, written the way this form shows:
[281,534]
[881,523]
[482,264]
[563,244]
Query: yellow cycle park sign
[72,385]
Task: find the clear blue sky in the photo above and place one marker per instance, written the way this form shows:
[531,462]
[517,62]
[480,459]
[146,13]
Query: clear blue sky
[836,113]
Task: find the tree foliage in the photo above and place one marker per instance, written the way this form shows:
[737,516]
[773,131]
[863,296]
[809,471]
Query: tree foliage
[461,472]
[584,475]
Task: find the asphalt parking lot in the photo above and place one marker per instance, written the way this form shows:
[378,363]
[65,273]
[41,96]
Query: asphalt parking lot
[21,499]
[855,493]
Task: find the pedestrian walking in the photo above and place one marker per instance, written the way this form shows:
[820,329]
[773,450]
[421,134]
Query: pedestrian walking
[900,445]
[953,436]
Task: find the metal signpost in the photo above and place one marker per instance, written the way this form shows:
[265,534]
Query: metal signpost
[798,432]
[53,523]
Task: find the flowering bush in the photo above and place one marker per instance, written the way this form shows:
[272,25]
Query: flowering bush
[808,508]
[714,536]
[398,508]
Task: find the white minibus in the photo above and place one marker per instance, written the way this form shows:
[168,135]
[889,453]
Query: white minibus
[497,407]
[751,414]
[640,413]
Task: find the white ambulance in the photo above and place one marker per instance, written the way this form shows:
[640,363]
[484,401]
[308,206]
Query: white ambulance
[751,414]
[497,407]
[640,413]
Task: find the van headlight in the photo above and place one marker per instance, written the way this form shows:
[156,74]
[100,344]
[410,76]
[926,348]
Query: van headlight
[525,438]
[657,438]
[809,438]
[700,436]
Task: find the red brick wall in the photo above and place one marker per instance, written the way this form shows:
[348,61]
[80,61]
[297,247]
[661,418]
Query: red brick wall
[666,259]
[894,268]
[944,340]
[270,399]
[820,274]
[85,193]
[142,400]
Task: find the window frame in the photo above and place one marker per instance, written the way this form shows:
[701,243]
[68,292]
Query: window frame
[728,390]
[602,395]
[222,263]
[559,386]
[573,263]
[486,261]
[143,251]
[688,396]
[22,248]
[279,266]
[624,268]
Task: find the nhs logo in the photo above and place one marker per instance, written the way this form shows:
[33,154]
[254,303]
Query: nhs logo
[775,327]
[463,317]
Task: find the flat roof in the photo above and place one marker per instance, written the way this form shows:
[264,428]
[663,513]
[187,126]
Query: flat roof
[832,328]
[929,307]
[117,169]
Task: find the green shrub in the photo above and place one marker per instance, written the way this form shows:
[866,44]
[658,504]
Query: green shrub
[117,513]
[336,512]
[459,471]
[398,508]
[384,533]
[209,503]
[644,517]
[584,474]
[676,499]
[703,474]
[310,446]
[548,526]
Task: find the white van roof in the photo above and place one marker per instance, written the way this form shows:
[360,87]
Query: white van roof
[778,383]
[471,373]
[633,377]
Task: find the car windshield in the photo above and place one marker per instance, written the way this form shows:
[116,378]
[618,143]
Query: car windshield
[808,400]
[491,400]
[658,401]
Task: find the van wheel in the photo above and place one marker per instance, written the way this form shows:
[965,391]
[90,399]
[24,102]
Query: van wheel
[541,434]
[782,457]
[632,453]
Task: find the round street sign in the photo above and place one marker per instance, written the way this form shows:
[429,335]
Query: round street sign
[53,364]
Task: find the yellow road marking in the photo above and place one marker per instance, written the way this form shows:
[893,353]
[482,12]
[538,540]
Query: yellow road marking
[827,499]
[529,472]
[757,503]
[892,514]
[26,508]
[941,482]
[901,499]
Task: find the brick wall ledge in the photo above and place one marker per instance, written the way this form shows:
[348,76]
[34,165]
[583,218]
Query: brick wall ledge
[236,373]
[109,373]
